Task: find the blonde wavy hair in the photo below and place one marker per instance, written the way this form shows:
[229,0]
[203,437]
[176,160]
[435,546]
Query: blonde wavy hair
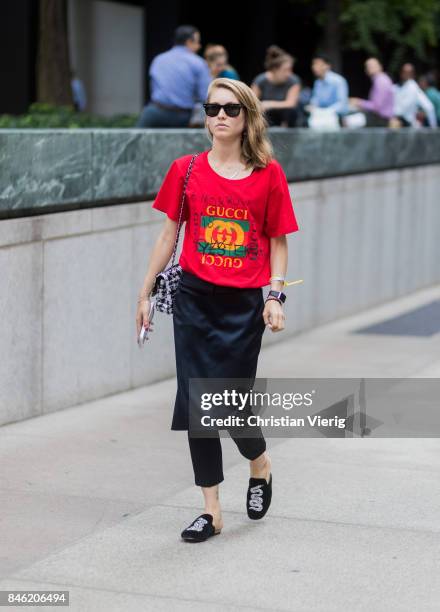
[256,148]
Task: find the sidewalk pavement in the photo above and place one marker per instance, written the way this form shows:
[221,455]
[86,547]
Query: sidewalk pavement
[93,498]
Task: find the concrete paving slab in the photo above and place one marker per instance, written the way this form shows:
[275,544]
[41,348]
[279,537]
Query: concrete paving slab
[111,600]
[281,563]
[357,482]
[34,524]
[105,449]
[332,350]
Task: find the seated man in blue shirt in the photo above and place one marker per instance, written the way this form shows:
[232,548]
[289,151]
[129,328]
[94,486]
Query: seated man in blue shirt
[330,90]
[178,79]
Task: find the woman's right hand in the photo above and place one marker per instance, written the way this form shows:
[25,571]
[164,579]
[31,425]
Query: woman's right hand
[142,316]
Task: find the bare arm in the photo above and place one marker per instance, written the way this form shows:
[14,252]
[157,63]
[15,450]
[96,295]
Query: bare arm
[159,257]
[273,314]
[256,90]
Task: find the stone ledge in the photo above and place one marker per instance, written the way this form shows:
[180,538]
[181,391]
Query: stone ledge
[48,170]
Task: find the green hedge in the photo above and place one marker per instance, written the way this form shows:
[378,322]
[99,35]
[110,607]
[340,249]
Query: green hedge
[47,116]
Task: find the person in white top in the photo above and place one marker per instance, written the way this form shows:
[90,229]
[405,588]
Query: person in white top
[408,99]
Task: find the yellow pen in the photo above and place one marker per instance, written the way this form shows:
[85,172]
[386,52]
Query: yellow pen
[300,280]
[286,283]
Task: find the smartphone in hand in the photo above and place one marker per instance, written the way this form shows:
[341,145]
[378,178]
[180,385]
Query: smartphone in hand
[143,334]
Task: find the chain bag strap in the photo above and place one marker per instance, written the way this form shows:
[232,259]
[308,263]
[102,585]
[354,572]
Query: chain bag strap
[167,281]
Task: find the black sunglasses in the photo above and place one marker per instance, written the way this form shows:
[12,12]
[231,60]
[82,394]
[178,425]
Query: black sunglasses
[232,110]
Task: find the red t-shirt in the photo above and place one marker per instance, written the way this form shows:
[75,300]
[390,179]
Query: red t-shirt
[229,222]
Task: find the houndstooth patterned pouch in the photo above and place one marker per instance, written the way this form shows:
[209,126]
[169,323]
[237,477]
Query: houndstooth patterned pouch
[166,287]
[168,280]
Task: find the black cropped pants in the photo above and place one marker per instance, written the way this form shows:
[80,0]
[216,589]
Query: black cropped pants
[207,460]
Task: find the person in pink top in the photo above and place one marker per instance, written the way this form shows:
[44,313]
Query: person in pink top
[379,107]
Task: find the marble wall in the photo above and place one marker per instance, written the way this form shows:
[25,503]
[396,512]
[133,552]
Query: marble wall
[51,170]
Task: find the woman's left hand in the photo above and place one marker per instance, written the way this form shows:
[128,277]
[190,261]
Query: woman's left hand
[273,315]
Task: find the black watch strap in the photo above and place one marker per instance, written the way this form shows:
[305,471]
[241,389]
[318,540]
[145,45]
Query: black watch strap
[279,295]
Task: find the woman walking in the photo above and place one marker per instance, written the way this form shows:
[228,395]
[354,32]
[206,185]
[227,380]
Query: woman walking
[238,211]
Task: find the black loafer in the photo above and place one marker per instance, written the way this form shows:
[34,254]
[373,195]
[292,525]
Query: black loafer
[259,496]
[200,529]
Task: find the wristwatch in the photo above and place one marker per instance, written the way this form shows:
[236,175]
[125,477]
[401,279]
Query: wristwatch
[278,295]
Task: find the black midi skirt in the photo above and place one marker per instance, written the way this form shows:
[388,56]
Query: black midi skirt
[217,334]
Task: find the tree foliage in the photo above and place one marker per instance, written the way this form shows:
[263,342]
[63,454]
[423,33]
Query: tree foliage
[405,28]
[409,27]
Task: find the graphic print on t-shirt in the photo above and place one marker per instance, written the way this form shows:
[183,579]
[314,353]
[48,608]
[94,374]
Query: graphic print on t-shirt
[224,235]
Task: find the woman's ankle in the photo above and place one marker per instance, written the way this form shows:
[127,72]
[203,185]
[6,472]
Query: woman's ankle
[216,513]
[261,467]
[259,461]
[214,509]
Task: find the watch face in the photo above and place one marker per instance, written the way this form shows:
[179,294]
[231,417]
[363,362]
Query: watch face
[278,294]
